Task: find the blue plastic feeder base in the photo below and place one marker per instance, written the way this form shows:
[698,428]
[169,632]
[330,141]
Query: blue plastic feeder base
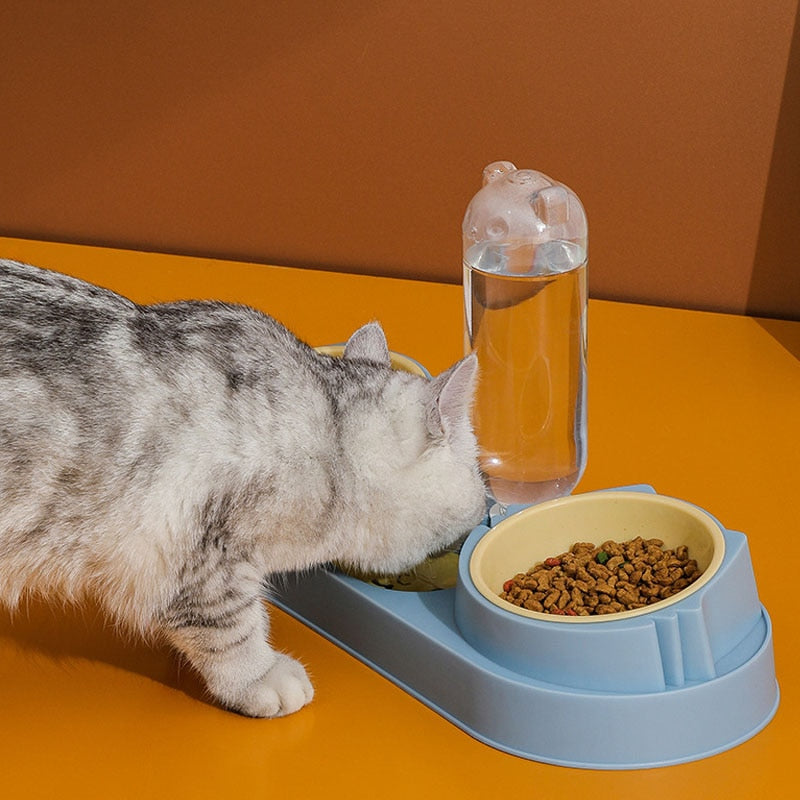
[688,682]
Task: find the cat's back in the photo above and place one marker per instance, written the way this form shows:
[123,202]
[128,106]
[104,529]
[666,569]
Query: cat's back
[106,399]
[48,320]
[53,324]
[26,290]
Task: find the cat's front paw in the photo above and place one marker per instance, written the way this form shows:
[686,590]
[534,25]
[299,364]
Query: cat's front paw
[284,689]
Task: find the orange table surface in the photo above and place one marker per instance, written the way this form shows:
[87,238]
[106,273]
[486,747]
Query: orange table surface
[702,406]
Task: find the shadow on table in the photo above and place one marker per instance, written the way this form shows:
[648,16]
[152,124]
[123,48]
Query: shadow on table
[85,632]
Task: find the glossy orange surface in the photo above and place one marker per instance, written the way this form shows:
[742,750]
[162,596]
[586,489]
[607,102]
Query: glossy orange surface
[702,406]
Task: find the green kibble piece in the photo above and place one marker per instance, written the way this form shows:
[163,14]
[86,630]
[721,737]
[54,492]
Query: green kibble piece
[602,557]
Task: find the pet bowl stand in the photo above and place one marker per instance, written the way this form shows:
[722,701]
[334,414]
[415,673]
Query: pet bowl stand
[716,685]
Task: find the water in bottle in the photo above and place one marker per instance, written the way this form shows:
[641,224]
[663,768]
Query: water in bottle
[525,255]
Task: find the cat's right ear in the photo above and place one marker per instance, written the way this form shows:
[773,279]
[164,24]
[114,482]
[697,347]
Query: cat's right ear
[368,343]
[452,395]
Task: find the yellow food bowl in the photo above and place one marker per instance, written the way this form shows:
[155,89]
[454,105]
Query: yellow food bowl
[550,529]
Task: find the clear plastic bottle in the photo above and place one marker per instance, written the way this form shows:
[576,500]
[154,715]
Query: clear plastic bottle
[525,255]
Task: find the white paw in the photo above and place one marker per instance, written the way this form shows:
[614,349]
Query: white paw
[283,690]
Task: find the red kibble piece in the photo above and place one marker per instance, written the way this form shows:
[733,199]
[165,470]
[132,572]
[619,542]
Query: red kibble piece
[552,562]
[507,585]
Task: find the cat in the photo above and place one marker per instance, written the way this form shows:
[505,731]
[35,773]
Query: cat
[168,459]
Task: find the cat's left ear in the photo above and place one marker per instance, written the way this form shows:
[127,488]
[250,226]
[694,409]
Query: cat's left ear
[368,343]
[451,396]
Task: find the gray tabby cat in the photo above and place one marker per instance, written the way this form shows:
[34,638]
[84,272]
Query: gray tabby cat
[167,459]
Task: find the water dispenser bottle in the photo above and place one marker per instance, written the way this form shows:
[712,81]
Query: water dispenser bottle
[525,255]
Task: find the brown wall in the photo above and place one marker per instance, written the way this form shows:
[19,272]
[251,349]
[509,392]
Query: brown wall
[351,135]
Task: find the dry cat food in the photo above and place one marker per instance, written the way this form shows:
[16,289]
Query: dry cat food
[607,579]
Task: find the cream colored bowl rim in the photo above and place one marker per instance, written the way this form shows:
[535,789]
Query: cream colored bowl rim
[399,361]
[521,517]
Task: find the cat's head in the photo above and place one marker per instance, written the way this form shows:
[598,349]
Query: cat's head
[416,485]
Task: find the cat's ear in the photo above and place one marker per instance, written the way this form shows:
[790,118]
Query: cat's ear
[368,343]
[451,396]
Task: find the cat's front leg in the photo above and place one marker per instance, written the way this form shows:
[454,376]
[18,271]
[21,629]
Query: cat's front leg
[224,636]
